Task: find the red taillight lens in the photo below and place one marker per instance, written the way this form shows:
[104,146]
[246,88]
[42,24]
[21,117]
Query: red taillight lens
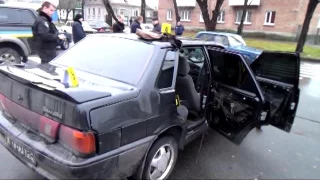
[48,127]
[101,30]
[80,142]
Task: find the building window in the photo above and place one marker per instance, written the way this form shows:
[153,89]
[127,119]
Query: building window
[88,11]
[270,18]
[99,11]
[135,13]
[247,19]
[201,18]
[169,15]
[221,17]
[185,15]
[93,11]
[148,14]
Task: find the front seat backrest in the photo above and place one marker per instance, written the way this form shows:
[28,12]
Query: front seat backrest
[185,87]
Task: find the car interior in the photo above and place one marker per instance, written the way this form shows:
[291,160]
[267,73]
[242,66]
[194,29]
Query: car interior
[230,109]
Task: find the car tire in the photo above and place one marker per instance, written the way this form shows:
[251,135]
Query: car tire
[9,54]
[165,151]
[65,44]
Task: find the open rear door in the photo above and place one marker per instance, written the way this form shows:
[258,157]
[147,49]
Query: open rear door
[278,75]
[236,103]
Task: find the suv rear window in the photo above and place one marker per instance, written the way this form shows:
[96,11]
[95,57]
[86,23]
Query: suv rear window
[12,15]
[114,58]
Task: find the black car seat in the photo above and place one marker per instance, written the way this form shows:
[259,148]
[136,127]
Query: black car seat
[185,88]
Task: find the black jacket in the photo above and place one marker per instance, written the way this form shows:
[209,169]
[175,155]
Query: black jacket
[45,36]
[135,25]
[118,27]
[157,28]
[77,31]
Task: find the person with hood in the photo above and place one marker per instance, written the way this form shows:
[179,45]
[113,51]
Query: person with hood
[179,29]
[136,24]
[156,25]
[45,33]
[118,27]
[77,29]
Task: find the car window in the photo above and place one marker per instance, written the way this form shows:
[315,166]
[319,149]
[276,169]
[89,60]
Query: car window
[229,69]
[215,38]
[109,57]
[234,42]
[194,55]
[11,15]
[165,78]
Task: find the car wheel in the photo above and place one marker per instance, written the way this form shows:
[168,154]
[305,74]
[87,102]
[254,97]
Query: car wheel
[9,55]
[161,159]
[65,44]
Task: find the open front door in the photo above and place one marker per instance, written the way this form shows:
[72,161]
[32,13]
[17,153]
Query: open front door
[236,100]
[278,75]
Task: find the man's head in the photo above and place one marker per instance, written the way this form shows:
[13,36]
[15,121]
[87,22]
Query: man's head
[178,23]
[155,21]
[48,8]
[78,17]
[139,19]
[120,18]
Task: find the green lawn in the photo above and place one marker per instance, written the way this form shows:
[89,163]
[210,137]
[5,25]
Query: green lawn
[309,51]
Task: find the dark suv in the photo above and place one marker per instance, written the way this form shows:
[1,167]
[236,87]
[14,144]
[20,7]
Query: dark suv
[134,108]
[16,42]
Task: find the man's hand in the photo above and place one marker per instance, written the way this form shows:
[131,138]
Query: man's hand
[62,36]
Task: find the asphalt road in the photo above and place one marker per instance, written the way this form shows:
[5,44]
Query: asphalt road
[267,154]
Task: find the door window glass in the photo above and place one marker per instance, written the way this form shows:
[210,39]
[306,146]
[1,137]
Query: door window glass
[229,69]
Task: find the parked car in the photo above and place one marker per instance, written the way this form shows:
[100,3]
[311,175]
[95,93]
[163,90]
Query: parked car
[86,27]
[100,26]
[64,44]
[127,117]
[232,42]
[16,23]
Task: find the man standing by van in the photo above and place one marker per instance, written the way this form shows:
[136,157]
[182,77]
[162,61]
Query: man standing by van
[45,33]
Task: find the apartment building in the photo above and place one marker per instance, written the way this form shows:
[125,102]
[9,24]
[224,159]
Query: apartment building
[95,10]
[283,17]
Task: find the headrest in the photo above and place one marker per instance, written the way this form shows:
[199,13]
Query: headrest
[183,66]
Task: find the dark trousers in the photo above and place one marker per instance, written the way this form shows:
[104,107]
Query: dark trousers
[47,55]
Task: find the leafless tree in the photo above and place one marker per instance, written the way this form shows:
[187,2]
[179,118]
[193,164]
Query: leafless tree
[176,10]
[143,10]
[244,13]
[210,23]
[305,27]
[68,5]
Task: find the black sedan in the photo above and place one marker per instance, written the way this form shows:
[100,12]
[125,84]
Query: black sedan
[116,106]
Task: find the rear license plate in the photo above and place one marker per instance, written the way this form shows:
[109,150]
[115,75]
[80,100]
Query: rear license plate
[21,150]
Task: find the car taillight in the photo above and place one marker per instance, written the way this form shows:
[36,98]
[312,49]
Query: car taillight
[48,127]
[81,143]
[101,30]
[2,101]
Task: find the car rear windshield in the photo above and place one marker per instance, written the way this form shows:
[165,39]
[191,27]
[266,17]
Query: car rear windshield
[115,58]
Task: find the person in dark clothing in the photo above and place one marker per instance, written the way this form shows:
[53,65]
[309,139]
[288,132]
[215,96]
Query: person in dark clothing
[156,25]
[77,29]
[130,21]
[45,34]
[179,29]
[118,27]
[136,24]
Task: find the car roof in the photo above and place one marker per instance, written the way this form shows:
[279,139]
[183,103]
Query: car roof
[217,33]
[185,41]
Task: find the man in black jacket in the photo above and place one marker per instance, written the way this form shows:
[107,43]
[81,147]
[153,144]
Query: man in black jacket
[77,29]
[136,24]
[118,27]
[45,33]
[156,25]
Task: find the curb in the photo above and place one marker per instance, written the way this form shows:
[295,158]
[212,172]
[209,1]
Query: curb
[312,60]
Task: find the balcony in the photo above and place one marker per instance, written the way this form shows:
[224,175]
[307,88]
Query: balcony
[241,2]
[186,3]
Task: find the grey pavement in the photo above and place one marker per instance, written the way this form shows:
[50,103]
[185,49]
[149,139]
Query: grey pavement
[267,154]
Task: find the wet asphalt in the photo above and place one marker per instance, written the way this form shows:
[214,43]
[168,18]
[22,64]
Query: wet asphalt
[266,154]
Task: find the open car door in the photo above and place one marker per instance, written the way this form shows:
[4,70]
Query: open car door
[235,103]
[278,75]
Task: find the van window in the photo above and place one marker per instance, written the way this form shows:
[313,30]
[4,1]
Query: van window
[11,15]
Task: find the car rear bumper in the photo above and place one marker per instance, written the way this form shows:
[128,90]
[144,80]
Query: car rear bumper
[55,162]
